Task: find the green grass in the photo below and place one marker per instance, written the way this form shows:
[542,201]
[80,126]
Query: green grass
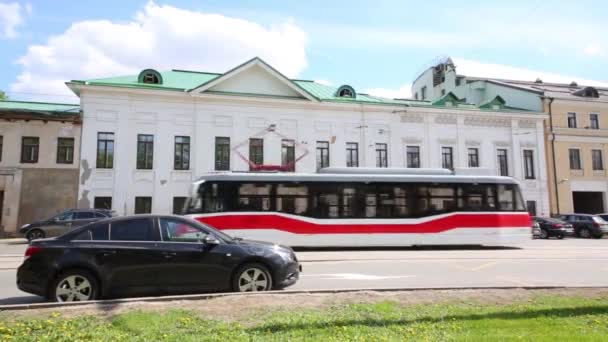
[541,319]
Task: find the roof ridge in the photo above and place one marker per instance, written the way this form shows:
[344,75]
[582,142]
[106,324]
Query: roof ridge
[196,72]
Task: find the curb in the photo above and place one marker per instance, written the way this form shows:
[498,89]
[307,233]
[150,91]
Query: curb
[115,302]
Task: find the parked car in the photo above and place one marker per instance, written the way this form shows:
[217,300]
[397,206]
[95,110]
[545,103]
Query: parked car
[603,216]
[149,255]
[553,227]
[586,225]
[63,222]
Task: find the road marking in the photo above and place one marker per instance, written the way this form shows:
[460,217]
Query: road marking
[353,276]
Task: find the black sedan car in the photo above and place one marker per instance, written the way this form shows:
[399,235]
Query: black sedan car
[151,255]
[586,225]
[553,227]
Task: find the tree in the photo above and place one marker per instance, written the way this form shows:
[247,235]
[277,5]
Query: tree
[3,96]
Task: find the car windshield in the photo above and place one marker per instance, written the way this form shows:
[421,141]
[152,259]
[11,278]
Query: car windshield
[598,219]
[550,220]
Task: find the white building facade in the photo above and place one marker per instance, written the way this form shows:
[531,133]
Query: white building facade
[146,139]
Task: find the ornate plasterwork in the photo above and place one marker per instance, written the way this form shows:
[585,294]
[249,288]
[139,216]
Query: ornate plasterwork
[411,140]
[412,118]
[446,120]
[526,124]
[473,143]
[487,121]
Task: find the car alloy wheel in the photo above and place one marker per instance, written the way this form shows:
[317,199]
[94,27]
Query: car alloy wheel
[74,287]
[35,234]
[544,234]
[253,278]
[585,233]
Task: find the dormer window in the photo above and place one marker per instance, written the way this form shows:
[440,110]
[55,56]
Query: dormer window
[587,92]
[150,76]
[346,91]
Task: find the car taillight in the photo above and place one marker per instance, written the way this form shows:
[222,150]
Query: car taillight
[31,250]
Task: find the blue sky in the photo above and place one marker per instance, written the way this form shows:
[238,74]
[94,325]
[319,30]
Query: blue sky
[377,46]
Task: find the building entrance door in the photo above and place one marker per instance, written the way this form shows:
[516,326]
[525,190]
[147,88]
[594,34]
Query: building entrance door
[588,202]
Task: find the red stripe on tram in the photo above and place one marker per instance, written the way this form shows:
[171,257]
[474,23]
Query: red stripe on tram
[292,225]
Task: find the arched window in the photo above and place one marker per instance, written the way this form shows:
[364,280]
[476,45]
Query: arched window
[346,91]
[150,76]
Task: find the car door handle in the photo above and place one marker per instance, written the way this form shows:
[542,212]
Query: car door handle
[169,255]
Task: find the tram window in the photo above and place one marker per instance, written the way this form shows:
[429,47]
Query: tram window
[508,197]
[213,199]
[349,202]
[292,198]
[253,197]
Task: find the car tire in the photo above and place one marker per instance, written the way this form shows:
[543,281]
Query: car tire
[544,234]
[585,233]
[34,234]
[252,277]
[74,286]
[560,236]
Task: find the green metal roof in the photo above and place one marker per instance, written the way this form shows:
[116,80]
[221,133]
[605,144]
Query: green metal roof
[40,107]
[183,80]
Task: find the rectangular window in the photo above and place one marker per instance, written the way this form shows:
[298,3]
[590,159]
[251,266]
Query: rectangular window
[423,93]
[29,149]
[503,162]
[181,160]
[143,205]
[65,150]
[256,151]
[574,155]
[529,164]
[145,151]
[102,203]
[598,162]
[594,122]
[288,155]
[571,120]
[222,153]
[322,154]
[105,150]
[473,157]
[458,81]
[352,154]
[447,157]
[413,156]
[134,229]
[178,205]
[531,207]
[381,155]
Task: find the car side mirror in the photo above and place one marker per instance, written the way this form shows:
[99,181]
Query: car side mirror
[211,240]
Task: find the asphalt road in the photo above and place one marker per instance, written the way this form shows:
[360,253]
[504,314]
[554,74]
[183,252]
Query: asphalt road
[569,262]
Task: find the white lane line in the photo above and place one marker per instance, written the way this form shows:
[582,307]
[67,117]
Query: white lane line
[353,276]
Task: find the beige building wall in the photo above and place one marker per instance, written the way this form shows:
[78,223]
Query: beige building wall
[34,191]
[563,180]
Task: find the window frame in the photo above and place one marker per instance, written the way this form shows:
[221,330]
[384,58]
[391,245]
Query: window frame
[322,154]
[104,152]
[443,150]
[146,205]
[594,121]
[155,230]
[475,155]
[65,150]
[288,154]
[190,224]
[499,165]
[181,156]
[412,154]
[222,154]
[147,148]
[31,149]
[100,199]
[579,159]
[601,159]
[572,120]
[352,154]
[529,165]
[382,155]
[256,151]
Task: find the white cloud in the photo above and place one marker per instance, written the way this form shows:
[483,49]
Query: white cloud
[488,70]
[12,15]
[324,82]
[593,49]
[160,37]
[403,92]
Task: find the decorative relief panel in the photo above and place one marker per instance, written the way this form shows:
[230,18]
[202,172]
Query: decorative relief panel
[411,140]
[502,144]
[446,120]
[487,122]
[526,124]
[473,143]
[527,144]
[412,118]
[447,141]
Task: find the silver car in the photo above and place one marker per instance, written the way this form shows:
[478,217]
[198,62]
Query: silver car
[63,223]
